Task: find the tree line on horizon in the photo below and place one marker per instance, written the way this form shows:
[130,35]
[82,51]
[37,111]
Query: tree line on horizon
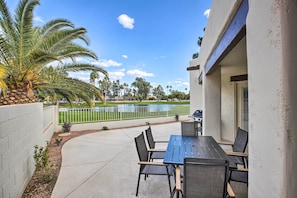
[139,90]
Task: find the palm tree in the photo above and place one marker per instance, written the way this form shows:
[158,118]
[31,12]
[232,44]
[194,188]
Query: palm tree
[38,59]
[93,77]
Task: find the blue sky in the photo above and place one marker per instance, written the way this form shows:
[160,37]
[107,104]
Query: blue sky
[152,39]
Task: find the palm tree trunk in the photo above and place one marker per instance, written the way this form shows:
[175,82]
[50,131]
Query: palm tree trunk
[17,96]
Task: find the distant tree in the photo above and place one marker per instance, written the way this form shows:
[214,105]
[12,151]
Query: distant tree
[142,88]
[170,88]
[177,94]
[115,88]
[104,86]
[158,92]
[127,91]
[93,76]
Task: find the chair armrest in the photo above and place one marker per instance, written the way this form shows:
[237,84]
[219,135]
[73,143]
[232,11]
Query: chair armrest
[177,179]
[241,170]
[152,163]
[230,191]
[237,154]
[226,143]
[156,150]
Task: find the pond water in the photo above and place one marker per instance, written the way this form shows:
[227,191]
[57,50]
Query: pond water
[133,108]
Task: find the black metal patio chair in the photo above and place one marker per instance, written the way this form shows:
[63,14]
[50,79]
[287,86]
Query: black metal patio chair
[153,152]
[150,168]
[238,154]
[189,128]
[204,178]
[239,174]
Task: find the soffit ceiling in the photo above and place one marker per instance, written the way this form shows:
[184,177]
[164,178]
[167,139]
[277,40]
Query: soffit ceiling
[237,56]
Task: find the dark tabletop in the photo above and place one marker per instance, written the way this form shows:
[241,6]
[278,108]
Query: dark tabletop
[180,147]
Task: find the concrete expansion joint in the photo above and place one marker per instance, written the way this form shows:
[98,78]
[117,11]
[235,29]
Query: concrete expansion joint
[96,162]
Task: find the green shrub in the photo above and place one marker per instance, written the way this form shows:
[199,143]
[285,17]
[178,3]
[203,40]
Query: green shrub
[105,128]
[43,165]
[58,141]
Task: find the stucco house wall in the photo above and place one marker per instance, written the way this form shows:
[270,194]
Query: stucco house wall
[272,61]
[229,103]
[271,37]
[216,24]
[195,87]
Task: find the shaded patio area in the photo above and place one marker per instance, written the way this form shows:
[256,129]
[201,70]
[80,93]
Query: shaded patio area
[104,164]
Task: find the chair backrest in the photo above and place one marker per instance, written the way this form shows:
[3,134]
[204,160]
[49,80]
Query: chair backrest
[189,128]
[150,138]
[241,140]
[205,178]
[141,148]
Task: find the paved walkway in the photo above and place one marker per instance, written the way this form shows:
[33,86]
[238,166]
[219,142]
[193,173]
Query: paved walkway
[104,164]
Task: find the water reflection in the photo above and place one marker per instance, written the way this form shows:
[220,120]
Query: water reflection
[131,108]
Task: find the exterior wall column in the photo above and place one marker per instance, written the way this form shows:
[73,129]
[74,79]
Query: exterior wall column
[212,104]
[272,67]
[195,87]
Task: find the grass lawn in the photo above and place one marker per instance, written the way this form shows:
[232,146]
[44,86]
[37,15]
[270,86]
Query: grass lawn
[82,113]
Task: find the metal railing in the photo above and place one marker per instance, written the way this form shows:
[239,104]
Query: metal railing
[103,114]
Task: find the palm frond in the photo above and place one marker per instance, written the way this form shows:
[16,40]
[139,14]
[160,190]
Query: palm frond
[7,25]
[58,40]
[73,50]
[54,25]
[73,67]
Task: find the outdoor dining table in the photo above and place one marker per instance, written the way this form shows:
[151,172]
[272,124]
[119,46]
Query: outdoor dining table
[180,147]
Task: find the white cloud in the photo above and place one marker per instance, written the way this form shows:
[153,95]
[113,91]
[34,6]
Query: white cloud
[206,13]
[126,21]
[160,57]
[124,56]
[38,19]
[117,75]
[139,73]
[107,63]
[178,83]
[81,75]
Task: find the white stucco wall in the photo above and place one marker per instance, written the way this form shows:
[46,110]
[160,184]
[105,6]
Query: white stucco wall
[228,111]
[271,57]
[220,16]
[271,48]
[229,100]
[216,24]
[212,105]
[21,128]
[195,87]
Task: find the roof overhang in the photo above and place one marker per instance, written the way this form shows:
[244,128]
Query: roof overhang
[235,31]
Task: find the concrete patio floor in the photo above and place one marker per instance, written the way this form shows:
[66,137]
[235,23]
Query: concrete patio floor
[104,164]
